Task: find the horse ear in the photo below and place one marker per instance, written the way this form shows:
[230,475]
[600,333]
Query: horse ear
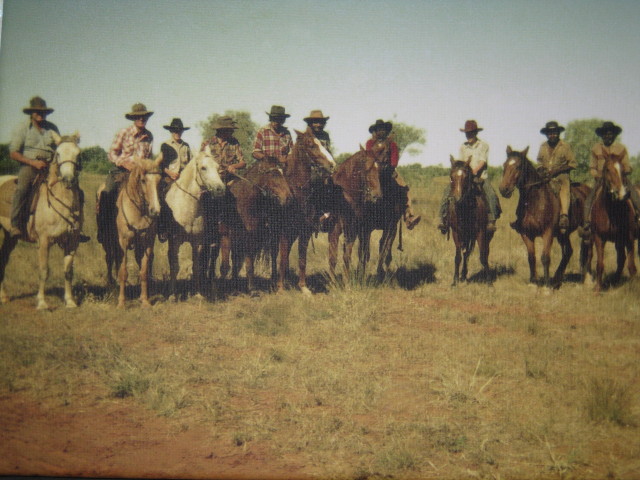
[76,137]
[207,149]
[361,148]
[298,132]
[452,160]
[525,151]
[509,150]
[56,138]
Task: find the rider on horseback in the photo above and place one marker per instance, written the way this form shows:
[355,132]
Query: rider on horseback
[600,151]
[478,151]
[379,133]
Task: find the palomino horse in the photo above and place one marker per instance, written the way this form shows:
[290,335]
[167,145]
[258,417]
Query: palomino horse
[538,212]
[613,220]
[138,207]
[57,218]
[254,219]
[359,179]
[307,159]
[468,214]
[187,214]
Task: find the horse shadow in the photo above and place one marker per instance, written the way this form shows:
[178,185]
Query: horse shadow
[491,275]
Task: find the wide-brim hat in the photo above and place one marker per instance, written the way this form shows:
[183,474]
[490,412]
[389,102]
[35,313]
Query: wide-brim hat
[225,123]
[176,125]
[608,127]
[471,126]
[277,111]
[315,115]
[138,110]
[550,126]
[37,104]
[381,124]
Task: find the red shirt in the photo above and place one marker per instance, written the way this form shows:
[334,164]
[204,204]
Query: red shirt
[393,152]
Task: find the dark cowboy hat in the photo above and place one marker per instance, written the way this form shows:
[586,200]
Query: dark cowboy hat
[315,115]
[37,104]
[550,126]
[176,126]
[471,126]
[381,124]
[608,127]
[138,110]
[277,111]
[225,122]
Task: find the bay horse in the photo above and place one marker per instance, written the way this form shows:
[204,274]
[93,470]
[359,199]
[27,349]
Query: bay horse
[254,219]
[359,180]
[308,164]
[613,220]
[538,213]
[57,218]
[468,214]
[187,216]
[138,207]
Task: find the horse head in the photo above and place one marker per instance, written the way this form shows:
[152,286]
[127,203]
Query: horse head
[207,172]
[270,180]
[460,177]
[142,186]
[513,171]
[612,177]
[309,147]
[371,179]
[66,158]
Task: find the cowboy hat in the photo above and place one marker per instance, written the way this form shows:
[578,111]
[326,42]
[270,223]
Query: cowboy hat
[552,125]
[315,115]
[176,126]
[277,111]
[37,104]
[471,126]
[380,124]
[608,127]
[138,110]
[225,122]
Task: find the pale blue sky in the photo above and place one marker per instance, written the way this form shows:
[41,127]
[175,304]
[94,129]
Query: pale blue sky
[511,65]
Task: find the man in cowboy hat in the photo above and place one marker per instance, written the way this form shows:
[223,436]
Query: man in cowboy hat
[316,122]
[556,160]
[380,131]
[478,151]
[608,132]
[175,154]
[274,139]
[226,148]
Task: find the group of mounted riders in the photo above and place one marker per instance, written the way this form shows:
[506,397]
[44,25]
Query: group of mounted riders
[33,147]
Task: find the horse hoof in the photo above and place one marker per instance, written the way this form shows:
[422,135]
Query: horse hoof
[306,291]
[120,305]
[71,304]
[42,306]
[172,298]
[198,297]
[4,300]
[546,291]
[145,304]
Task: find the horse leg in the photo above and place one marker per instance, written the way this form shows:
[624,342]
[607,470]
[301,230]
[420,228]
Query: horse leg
[197,270]
[484,239]
[145,269]
[600,243]
[8,245]
[456,268]
[69,255]
[334,239]
[364,253]
[174,266]
[123,273]
[621,257]
[567,252]
[531,257]
[545,258]
[631,262]
[225,250]
[43,263]
[285,248]
[465,264]
[384,250]
[303,247]
[586,254]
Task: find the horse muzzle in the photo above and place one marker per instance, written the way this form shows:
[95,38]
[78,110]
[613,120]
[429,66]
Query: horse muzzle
[506,192]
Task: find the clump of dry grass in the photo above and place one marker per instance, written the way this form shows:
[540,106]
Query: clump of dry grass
[606,399]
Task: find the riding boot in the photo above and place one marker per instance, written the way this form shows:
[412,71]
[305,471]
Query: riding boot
[443,226]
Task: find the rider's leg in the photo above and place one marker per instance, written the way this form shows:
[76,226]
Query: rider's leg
[444,210]
[565,200]
[493,204]
[26,176]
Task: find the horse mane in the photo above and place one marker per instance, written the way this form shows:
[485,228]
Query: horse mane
[141,167]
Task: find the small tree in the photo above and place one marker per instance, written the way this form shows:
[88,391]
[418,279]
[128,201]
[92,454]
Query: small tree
[7,166]
[581,135]
[95,160]
[245,133]
[406,135]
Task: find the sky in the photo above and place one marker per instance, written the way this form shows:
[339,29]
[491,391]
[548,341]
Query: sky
[511,65]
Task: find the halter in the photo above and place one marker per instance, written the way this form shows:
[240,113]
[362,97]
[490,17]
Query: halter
[142,208]
[51,194]
[199,182]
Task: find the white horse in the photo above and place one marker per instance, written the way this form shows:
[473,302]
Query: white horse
[188,217]
[57,218]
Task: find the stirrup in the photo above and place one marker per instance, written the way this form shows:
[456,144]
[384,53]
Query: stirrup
[443,227]
[412,221]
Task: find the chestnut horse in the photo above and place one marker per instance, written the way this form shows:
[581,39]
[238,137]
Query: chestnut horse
[307,166]
[538,212]
[57,218]
[359,179]
[613,220]
[468,214]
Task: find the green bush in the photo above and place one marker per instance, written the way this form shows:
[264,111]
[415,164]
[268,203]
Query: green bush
[7,166]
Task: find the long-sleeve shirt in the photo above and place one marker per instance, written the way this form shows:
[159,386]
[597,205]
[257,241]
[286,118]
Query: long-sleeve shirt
[393,158]
[479,154]
[272,143]
[227,153]
[598,153]
[130,143]
[559,157]
[33,143]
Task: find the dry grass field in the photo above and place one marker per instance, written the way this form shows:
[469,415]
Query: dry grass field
[406,378]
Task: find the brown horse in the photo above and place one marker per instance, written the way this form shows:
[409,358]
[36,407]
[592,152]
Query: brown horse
[613,220]
[359,179]
[468,214]
[307,166]
[254,214]
[538,212]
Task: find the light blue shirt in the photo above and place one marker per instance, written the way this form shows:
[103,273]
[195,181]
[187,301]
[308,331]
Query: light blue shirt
[32,143]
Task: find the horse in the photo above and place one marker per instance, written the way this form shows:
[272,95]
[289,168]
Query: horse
[359,179]
[613,220]
[468,214]
[187,217]
[57,218]
[538,212]
[253,219]
[306,167]
[138,207]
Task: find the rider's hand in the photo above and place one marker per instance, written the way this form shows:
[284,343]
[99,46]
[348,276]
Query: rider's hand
[38,164]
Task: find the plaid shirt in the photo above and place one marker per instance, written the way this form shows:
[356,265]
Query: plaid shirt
[271,143]
[226,153]
[129,144]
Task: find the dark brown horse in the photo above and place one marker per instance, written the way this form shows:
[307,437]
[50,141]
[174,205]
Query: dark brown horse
[613,220]
[307,167]
[468,214]
[359,179]
[255,214]
[538,212]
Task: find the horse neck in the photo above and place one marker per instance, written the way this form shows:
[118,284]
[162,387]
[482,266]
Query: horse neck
[297,172]
[187,180]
